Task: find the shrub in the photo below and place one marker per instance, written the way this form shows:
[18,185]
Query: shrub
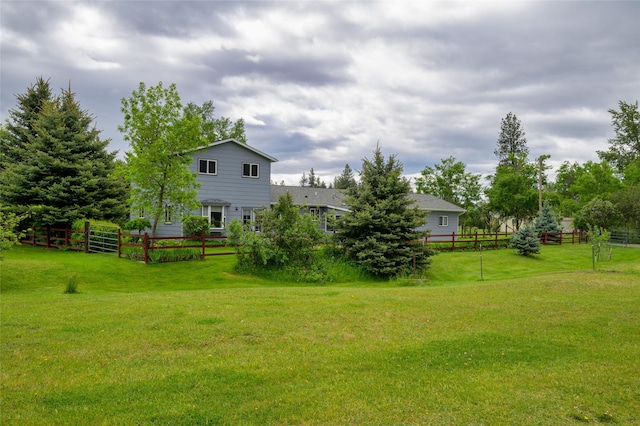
[526,241]
[195,225]
[139,224]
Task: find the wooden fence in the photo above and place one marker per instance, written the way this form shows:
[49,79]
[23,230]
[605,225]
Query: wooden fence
[147,245]
[142,246]
[475,241]
[71,239]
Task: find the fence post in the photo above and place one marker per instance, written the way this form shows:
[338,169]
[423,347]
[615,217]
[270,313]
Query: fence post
[48,231]
[87,230]
[475,244]
[453,241]
[203,244]
[146,248]
[119,250]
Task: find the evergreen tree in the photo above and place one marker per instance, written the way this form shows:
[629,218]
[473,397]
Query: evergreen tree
[526,241]
[379,229]
[311,180]
[346,180]
[511,141]
[546,220]
[19,127]
[61,170]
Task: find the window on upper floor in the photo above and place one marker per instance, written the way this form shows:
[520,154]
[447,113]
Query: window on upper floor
[251,170]
[443,220]
[207,167]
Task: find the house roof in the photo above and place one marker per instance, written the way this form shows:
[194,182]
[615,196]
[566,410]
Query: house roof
[334,198]
[433,203]
[237,142]
[312,197]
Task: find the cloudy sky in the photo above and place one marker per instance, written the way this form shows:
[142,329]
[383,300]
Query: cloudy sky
[319,84]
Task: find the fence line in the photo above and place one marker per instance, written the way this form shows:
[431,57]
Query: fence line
[55,238]
[498,240]
[147,244]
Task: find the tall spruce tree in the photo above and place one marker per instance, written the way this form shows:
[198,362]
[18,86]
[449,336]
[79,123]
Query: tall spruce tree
[59,169]
[511,141]
[379,229]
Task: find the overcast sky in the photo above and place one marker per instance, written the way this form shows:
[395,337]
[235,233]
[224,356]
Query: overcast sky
[319,84]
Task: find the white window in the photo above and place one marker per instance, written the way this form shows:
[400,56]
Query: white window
[216,215]
[314,212]
[249,217]
[251,170]
[168,215]
[443,220]
[207,167]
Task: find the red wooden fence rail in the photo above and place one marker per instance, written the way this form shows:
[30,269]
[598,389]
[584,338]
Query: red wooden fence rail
[466,241]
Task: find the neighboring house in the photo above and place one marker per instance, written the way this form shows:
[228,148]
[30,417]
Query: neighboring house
[235,180]
[441,216]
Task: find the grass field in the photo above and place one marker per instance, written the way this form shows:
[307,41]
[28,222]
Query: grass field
[544,341]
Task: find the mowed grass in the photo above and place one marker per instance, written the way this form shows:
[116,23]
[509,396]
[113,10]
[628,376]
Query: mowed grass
[542,341]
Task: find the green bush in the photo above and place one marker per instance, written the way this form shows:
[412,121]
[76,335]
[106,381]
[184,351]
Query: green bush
[195,225]
[139,224]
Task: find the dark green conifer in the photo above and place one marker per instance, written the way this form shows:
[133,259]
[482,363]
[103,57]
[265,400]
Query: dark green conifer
[379,229]
[60,170]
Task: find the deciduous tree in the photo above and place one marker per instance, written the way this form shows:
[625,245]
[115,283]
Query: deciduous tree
[513,192]
[215,129]
[451,182]
[625,146]
[158,131]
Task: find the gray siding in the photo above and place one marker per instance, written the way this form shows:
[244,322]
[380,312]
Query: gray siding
[435,229]
[228,184]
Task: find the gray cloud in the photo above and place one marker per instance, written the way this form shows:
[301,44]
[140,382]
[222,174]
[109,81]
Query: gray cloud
[320,83]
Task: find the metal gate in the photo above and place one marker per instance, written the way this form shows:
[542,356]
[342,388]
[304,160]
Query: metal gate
[102,239]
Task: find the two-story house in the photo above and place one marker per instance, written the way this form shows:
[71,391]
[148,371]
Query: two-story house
[235,180]
[235,183]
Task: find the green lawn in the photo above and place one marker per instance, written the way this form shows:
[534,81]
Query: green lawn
[541,340]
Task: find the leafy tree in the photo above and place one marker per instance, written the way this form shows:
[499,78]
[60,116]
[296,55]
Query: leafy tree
[215,129]
[379,229]
[158,131]
[597,180]
[9,233]
[625,146]
[511,141]
[287,239]
[311,180]
[513,193]
[346,180]
[597,212]
[627,202]
[546,220]
[450,181]
[526,241]
[58,169]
